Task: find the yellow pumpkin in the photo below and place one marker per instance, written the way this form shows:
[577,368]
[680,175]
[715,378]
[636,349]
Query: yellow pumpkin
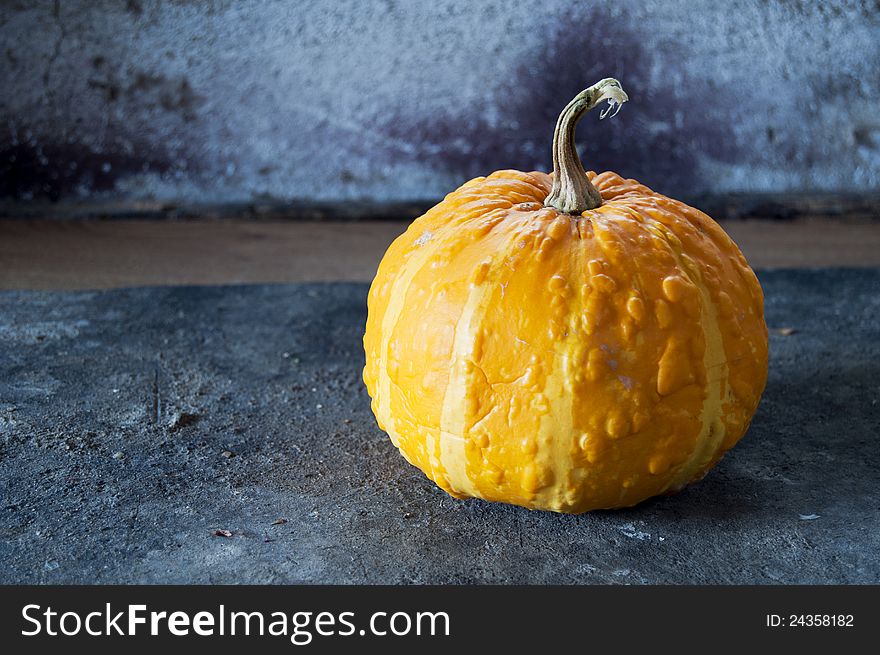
[565,342]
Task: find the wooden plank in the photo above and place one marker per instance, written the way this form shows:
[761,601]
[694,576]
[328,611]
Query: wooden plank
[45,254]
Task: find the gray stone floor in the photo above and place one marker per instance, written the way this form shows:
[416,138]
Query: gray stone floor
[139,425]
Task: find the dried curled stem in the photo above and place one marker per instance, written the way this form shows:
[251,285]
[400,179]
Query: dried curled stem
[572,192]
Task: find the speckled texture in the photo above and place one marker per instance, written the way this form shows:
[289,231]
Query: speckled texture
[565,362]
[389,100]
[116,409]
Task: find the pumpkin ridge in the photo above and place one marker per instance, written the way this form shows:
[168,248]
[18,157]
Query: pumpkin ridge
[561,420]
[712,430]
[636,284]
[452,444]
[568,498]
[740,281]
[391,318]
[612,227]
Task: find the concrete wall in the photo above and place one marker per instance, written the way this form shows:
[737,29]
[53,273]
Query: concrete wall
[395,100]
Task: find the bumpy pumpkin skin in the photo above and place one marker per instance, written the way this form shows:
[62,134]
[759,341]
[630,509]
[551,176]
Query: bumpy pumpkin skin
[561,362]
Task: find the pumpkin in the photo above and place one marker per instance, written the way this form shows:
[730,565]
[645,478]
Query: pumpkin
[564,342]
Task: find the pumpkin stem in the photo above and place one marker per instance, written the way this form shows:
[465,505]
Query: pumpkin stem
[572,192]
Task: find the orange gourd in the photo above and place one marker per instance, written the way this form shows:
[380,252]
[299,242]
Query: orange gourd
[565,342]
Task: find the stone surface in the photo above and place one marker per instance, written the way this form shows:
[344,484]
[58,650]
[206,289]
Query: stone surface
[241,101]
[138,426]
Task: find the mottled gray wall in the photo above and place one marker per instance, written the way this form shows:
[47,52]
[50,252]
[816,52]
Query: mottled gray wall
[395,100]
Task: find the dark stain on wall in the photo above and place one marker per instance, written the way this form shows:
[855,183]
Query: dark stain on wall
[62,164]
[654,139]
[174,95]
[53,171]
